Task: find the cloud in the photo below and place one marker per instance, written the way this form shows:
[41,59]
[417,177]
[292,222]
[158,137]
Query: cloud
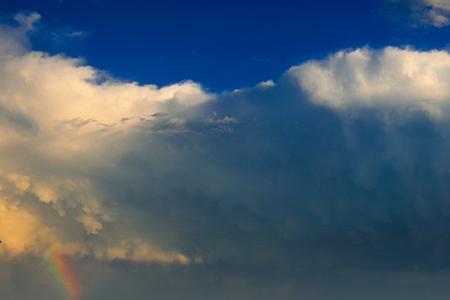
[27,21]
[67,113]
[140,251]
[395,79]
[266,84]
[156,192]
[436,12]
[426,12]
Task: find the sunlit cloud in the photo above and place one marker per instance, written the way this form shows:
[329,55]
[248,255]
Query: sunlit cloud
[67,113]
[395,79]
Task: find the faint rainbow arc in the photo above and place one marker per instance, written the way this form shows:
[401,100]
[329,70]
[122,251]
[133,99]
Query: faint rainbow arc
[62,270]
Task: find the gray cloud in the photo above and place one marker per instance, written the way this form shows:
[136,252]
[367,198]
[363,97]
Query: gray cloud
[284,190]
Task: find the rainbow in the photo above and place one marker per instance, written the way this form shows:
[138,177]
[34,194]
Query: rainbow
[62,270]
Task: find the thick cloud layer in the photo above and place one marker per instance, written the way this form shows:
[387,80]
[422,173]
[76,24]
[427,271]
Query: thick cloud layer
[334,174]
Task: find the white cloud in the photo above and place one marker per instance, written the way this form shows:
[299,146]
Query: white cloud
[392,78]
[51,89]
[266,84]
[71,118]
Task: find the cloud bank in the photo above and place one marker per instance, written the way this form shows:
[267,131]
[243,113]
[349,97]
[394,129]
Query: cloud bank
[338,169]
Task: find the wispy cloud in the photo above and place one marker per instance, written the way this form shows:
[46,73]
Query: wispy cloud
[426,12]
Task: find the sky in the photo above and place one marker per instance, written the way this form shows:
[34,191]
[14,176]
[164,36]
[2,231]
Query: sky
[240,42]
[235,150]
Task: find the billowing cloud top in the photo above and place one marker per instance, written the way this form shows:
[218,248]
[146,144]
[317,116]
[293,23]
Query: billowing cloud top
[392,78]
[58,117]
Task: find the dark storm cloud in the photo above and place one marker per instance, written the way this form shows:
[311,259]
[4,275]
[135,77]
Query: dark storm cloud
[294,185]
[292,196]
[331,183]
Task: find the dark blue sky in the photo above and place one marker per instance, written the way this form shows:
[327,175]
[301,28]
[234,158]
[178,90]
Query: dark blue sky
[223,45]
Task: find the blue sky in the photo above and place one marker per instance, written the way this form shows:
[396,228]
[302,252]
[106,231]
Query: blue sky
[224,45]
[204,150]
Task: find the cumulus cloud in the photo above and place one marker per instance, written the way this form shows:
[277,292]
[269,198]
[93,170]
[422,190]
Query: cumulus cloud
[27,227]
[66,114]
[259,185]
[389,79]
